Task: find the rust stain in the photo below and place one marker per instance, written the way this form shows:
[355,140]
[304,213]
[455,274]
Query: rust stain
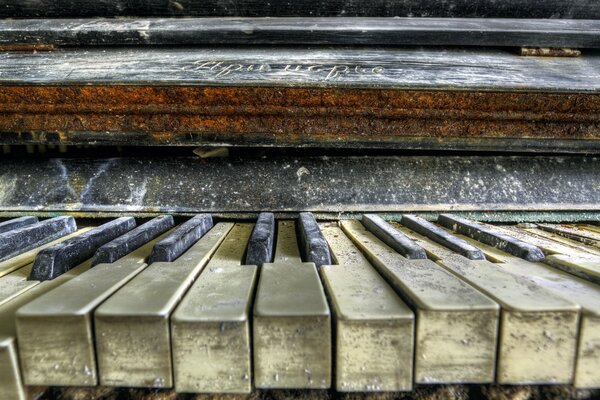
[175,114]
[28,47]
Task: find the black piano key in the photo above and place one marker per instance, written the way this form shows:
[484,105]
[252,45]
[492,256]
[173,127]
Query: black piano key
[313,246]
[28,237]
[392,237]
[130,241]
[492,237]
[17,223]
[260,246]
[442,237]
[58,259]
[181,239]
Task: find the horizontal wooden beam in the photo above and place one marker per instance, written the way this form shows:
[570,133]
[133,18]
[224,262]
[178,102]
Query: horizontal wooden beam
[303,8]
[292,184]
[306,31]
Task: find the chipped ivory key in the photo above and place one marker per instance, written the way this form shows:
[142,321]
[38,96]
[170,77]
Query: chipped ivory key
[456,331]
[292,325]
[133,343]
[55,331]
[538,335]
[374,327]
[211,327]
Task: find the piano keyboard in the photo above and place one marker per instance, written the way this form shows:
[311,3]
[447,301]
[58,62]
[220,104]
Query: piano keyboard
[353,305]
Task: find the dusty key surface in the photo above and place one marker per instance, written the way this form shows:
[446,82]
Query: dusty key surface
[260,246]
[456,332]
[573,232]
[392,237]
[584,267]
[15,283]
[373,326]
[17,223]
[16,262]
[292,326]
[67,356]
[59,258]
[442,237]
[22,239]
[112,251]
[577,290]
[211,326]
[538,339]
[491,236]
[312,244]
[10,376]
[133,343]
[181,239]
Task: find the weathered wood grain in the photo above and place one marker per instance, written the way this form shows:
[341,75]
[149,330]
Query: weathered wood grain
[330,184]
[287,8]
[308,31]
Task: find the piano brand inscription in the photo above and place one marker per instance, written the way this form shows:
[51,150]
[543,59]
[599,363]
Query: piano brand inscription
[222,69]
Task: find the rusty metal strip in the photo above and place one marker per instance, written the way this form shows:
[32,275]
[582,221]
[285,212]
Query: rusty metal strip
[162,115]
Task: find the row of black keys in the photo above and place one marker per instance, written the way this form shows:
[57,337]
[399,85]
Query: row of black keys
[113,240]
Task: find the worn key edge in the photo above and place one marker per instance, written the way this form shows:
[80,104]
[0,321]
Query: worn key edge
[488,235]
[392,237]
[442,237]
[16,223]
[313,245]
[261,243]
[16,262]
[181,239]
[138,237]
[59,258]
[23,239]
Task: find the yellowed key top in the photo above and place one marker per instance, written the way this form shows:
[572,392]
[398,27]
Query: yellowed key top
[539,330]
[11,386]
[55,331]
[133,343]
[14,263]
[580,291]
[15,283]
[374,327]
[456,332]
[548,245]
[583,267]
[574,233]
[211,326]
[292,326]
[577,246]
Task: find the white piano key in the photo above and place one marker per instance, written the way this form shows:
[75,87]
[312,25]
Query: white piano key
[456,332]
[292,325]
[15,283]
[374,340]
[573,232]
[211,326]
[549,242]
[11,386]
[55,330]
[133,344]
[577,290]
[539,330]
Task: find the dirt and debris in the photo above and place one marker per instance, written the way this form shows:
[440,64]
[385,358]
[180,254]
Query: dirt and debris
[429,392]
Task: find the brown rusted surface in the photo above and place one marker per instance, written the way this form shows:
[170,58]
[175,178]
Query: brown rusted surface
[27,47]
[195,115]
[549,52]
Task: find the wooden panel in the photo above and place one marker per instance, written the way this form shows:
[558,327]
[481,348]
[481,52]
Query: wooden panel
[307,31]
[422,8]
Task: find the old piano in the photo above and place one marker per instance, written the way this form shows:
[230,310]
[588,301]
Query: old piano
[299,199]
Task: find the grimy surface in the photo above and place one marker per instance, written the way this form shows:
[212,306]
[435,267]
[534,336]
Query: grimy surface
[360,184]
[284,8]
[307,31]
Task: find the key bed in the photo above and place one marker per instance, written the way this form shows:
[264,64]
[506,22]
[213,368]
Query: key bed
[333,305]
